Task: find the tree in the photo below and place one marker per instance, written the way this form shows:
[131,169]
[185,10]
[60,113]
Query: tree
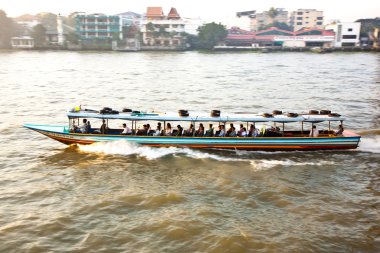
[39,35]
[73,38]
[272,13]
[5,30]
[279,25]
[211,34]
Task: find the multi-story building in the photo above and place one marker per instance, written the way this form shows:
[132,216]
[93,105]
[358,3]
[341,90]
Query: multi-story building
[97,26]
[162,31]
[306,18]
[259,20]
[346,34]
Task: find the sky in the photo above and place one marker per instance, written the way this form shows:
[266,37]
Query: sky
[207,10]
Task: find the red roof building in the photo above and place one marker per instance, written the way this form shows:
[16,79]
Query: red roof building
[173,14]
[154,13]
[274,36]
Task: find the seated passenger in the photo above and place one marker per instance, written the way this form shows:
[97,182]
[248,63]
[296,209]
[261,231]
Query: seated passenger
[244,132]
[103,127]
[179,131]
[88,127]
[240,130]
[148,129]
[190,130]
[126,130]
[221,131]
[168,130]
[314,132]
[230,130]
[83,127]
[158,130]
[201,130]
[210,131]
[340,130]
[263,131]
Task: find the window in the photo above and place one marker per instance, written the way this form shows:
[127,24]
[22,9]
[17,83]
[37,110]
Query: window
[299,18]
[299,23]
[349,29]
[319,23]
[299,13]
[349,36]
[319,18]
[348,44]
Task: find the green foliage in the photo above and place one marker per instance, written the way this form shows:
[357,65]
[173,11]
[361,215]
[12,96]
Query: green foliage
[150,27]
[192,40]
[279,25]
[39,35]
[211,34]
[73,38]
[131,31]
[273,12]
[5,30]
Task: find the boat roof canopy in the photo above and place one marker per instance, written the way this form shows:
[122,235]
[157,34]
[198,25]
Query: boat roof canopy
[204,117]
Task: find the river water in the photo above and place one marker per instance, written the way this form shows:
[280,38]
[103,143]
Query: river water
[120,197]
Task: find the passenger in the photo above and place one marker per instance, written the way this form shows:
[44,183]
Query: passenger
[221,131]
[126,130]
[88,127]
[190,130]
[168,130]
[158,130]
[240,130]
[210,131]
[251,131]
[201,130]
[244,132]
[230,130]
[314,132]
[141,131]
[83,127]
[149,130]
[340,130]
[263,130]
[179,130]
[103,127]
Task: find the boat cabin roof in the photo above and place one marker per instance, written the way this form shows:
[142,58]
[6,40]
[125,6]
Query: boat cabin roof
[205,117]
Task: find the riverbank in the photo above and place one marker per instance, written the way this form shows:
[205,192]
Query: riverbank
[219,49]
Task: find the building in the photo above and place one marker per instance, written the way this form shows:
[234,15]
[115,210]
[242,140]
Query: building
[306,18]
[97,26]
[161,31]
[24,42]
[374,37]
[130,18]
[346,34]
[313,37]
[259,20]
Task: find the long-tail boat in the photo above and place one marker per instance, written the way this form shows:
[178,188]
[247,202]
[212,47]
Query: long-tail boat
[289,131]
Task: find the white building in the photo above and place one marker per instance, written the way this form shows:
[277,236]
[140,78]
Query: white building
[24,42]
[306,18]
[161,30]
[346,34]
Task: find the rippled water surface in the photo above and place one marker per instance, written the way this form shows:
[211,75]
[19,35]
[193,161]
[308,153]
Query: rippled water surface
[120,197]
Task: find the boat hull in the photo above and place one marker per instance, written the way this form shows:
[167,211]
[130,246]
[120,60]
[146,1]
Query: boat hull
[347,141]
